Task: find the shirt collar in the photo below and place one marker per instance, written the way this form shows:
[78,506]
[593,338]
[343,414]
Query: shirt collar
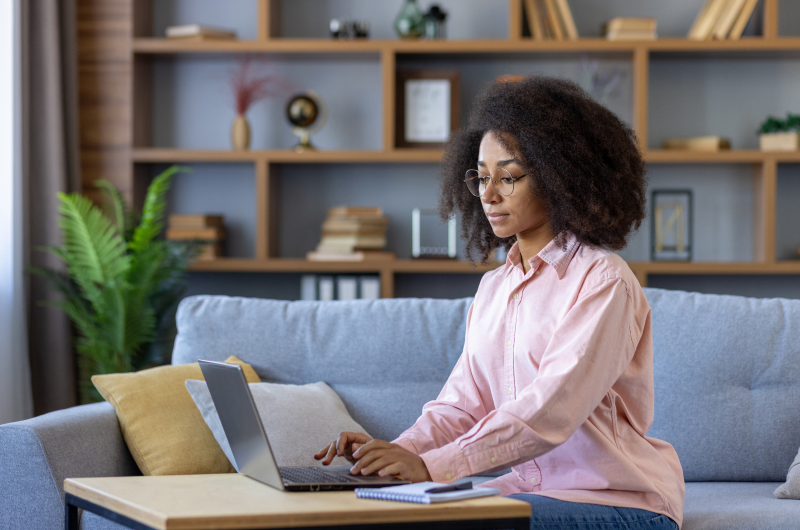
[551,254]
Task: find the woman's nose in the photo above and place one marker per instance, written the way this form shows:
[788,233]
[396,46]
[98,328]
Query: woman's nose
[490,194]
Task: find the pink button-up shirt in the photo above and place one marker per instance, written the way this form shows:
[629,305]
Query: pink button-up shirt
[556,380]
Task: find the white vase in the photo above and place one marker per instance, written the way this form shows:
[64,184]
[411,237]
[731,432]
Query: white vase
[240,134]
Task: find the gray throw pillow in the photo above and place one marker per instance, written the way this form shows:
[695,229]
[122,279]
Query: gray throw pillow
[299,419]
[791,489]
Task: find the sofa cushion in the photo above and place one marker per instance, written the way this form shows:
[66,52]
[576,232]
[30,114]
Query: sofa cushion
[299,419]
[727,383]
[165,432]
[737,506]
[385,358]
[791,488]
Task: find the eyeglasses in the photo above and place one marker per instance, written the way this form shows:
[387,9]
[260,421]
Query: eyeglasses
[501,178]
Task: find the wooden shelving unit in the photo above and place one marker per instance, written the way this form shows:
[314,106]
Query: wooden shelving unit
[140,49]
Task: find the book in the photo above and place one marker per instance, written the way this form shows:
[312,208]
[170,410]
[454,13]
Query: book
[417,493]
[698,143]
[630,35]
[552,17]
[744,17]
[210,251]
[352,242]
[727,18]
[370,287]
[206,234]
[707,20]
[534,20]
[567,20]
[327,254]
[198,31]
[355,211]
[631,23]
[194,221]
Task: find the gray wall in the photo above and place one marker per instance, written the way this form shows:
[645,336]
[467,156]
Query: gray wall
[690,95]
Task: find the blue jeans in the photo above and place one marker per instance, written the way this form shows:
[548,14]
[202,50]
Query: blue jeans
[553,514]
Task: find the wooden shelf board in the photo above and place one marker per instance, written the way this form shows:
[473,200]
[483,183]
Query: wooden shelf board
[676,156]
[305,266]
[586,45]
[455,267]
[284,156]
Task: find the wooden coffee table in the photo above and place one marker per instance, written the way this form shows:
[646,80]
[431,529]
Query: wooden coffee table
[228,501]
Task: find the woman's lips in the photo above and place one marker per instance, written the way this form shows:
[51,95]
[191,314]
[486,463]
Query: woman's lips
[496,217]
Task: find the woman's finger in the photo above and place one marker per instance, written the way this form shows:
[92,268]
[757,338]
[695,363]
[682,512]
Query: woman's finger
[322,452]
[378,464]
[366,459]
[370,446]
[331,455]
[396,468]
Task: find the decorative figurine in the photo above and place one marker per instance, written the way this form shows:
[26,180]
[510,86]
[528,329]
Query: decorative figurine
[671,225]
[433,23]
[307,113]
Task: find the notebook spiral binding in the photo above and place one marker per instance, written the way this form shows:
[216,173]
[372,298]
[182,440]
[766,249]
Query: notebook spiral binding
[376,493]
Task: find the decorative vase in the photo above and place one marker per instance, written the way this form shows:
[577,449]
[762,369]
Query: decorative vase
[240,134]
[409,23]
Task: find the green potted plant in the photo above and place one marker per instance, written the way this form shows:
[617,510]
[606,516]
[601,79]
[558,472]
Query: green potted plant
[122,282]
[780,135]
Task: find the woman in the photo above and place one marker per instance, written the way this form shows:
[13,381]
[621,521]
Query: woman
[556,376]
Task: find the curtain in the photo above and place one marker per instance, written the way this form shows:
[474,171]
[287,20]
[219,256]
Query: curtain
[50,115]
[15,396]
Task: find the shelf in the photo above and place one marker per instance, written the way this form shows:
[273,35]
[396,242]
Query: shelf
[284,156]
[655,156]
[586,45]
[447,266]
[305,266]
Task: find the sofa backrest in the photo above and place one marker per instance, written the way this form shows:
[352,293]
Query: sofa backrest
[726,368]
[727,383]
[385,358]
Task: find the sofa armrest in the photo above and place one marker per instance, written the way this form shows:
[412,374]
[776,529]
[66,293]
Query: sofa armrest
[36,455]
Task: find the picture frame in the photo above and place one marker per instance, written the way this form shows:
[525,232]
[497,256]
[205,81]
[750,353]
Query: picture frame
[671,225]
[427,107]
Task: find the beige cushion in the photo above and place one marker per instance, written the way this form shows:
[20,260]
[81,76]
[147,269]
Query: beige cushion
[299,419]
[791,488]
[164,431]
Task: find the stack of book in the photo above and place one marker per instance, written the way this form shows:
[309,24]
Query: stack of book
[199,32]
[352,233]
[698,143]
[628,28]
[550,20]
[208,229]
[722,19]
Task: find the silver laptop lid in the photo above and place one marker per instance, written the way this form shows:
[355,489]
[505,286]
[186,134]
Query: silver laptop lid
[241,422]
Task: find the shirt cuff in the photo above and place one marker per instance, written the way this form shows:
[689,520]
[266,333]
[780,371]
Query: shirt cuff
[446,463]
[406,443]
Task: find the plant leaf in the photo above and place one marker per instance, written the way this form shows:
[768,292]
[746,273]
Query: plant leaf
[95,250]
[118,209]
[153,211]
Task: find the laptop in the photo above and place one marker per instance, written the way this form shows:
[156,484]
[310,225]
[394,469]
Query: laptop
[250,444]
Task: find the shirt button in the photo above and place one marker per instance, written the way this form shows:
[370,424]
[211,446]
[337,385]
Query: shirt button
[493,460]
[509,342]
[533,480]
[516,296]
[448,476]
[510,390]
[538,272]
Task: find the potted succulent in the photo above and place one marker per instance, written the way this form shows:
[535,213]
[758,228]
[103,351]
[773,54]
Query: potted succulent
[122,282]
[780,135]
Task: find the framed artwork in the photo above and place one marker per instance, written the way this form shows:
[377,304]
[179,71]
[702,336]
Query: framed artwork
[671,225]
[428,105]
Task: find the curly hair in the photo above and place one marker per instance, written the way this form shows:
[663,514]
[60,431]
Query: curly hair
[586,167]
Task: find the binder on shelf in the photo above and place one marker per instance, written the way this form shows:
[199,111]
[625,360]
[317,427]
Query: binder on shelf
[326,289]
[727,18]
[553,19]
[534,17]
[744,17]
[707,19]
[308,287]
[566,18]
[346,287]
[370,287]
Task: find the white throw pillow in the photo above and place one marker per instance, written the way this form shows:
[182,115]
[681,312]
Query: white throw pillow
[791,489]
[299,419]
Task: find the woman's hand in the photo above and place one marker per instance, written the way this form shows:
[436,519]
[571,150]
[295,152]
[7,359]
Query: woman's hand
[345,444]
[389,459]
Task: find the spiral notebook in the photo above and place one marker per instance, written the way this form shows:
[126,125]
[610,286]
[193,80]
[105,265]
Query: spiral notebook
[418,493]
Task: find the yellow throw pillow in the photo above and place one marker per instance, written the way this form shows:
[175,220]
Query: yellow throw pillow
[164,430]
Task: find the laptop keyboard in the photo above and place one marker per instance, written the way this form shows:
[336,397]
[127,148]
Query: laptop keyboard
[311,475]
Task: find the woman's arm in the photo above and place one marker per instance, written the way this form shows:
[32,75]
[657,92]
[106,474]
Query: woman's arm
[457,409]
[588,352]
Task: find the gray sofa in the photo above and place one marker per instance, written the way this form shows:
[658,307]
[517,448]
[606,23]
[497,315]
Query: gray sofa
[727,382]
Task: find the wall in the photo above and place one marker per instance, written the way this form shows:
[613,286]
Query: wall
[689,95]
